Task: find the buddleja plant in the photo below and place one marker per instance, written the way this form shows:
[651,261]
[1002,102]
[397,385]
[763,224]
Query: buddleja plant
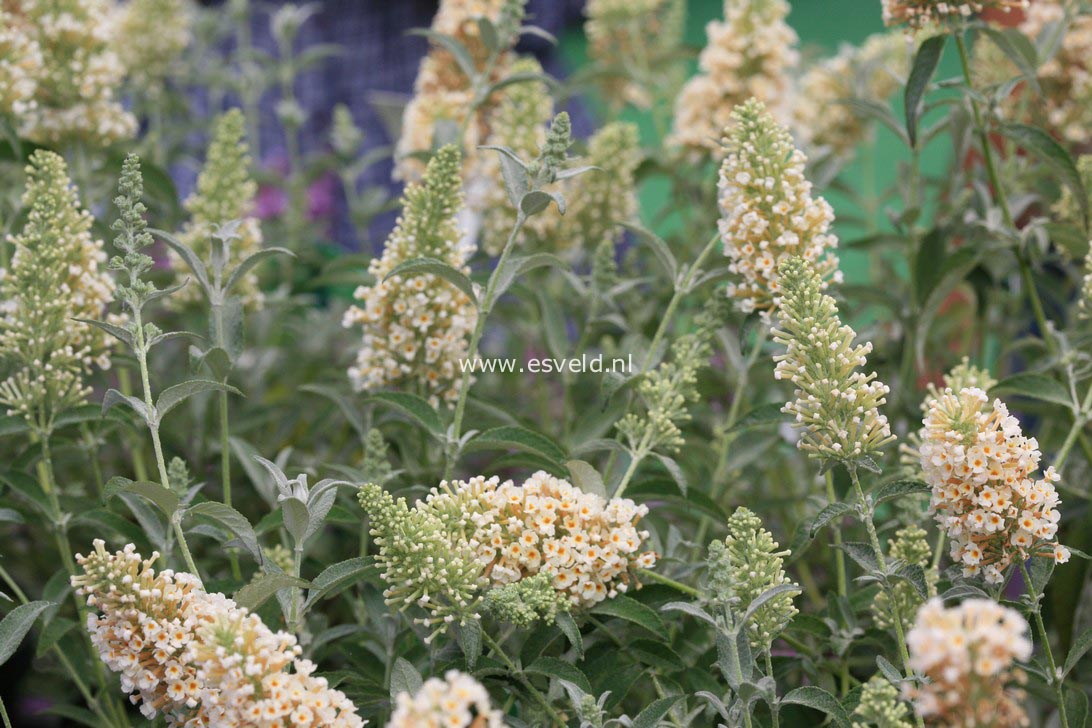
[746,401]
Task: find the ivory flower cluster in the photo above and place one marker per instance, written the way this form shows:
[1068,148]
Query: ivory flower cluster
[417,326]
[837,406]
[741,568]
[967,654]
[68,50]
[225,193]
[443,95]
[197,658]
[870,72]
[57,275]
[456,701]
[922,13]
[749,54]
[635,41]
[20,66]
[470,536]
[980,467]
[152,36]
[589,546]
[768,214]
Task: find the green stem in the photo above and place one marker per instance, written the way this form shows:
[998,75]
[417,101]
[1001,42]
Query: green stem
[1080,419]
[518,674]
[484,309]
[139,468]
[636,458]
[720,477]
[685,589]
[839,555]
[839,567]
[1055,682]
[881,560]
[1002,200]
[294,619]
[681,289]
[769,674]
[141,349]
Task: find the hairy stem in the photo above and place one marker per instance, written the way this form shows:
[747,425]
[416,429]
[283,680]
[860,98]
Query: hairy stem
[157,445]
[1044,638]
[484,309]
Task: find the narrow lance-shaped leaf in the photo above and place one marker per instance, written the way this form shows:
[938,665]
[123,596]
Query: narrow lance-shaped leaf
[925,65]
[436,267]
[15,626]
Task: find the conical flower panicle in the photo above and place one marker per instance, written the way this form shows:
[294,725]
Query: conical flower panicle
[959,377]
[602,197]
[837,407]
[667,391]
[21,65]
[152,35]
[871,72]
[981,468]
[417,327]
[966,653]
[57,275]
[880,706]
[588,545]
[197,658]
[740,569]
[634,40]
[225,192]
[77,82]
[768,213]
[422,564]
[751,53]
[442,93]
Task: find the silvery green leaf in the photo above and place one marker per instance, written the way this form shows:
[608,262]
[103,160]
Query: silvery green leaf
[404,678]
[114,397]
[163,498]
[16,624]
[436,267]
[173,396]
[252,260]
[673,469]
[173,336]
[190,257]
[254,594]
[296,518]
[319,503]
[469,637]
[334,578]
[536,201]
[118,332]
[585,477]
[516,266]
[231,520]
